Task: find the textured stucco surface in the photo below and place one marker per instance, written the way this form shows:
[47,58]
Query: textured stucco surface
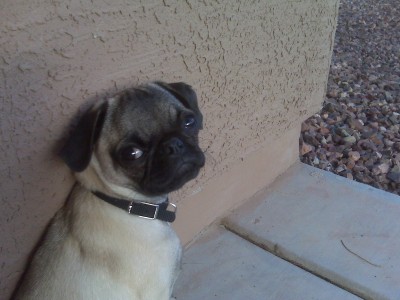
[259,68]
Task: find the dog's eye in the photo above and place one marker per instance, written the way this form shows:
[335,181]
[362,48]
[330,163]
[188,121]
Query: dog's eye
[131,153]
[189,122]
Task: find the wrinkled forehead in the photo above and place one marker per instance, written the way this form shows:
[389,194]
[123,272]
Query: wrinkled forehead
[145,111]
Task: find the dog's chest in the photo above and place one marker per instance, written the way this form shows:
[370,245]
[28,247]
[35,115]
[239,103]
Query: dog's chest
[121,256]
[153,248]
[146,257]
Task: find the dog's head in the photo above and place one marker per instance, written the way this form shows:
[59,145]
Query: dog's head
[144,139]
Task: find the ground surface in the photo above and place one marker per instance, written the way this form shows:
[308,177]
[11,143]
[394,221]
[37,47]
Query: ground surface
[309,235]
[357,132]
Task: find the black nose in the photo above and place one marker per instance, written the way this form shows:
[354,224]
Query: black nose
[174,146]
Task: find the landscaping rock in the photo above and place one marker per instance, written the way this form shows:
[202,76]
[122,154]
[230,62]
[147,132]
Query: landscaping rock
[357,133]
[354,155]
[394,176]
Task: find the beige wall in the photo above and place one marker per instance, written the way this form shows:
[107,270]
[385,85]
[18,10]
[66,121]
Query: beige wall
[259,68]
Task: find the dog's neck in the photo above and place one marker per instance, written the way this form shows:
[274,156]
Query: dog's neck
[126,199]
[131,195]
[164,211]
[92,180]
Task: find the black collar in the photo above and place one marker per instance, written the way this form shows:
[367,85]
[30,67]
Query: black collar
[142,209]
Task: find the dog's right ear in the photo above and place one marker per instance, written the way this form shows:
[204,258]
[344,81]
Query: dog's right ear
[78,149]
[186,95]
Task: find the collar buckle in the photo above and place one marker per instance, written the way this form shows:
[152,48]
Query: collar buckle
[150,210]
[174,208]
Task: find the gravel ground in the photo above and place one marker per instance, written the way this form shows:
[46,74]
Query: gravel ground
[356,134]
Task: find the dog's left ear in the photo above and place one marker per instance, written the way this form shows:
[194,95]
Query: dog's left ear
[78,149]
[186,95]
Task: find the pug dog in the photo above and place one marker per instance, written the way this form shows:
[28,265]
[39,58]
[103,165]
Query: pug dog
[112,239]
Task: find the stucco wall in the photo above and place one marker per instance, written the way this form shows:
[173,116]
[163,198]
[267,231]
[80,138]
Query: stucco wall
[259,68]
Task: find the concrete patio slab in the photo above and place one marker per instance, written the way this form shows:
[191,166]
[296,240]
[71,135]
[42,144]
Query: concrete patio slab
[221,265]
[340,230]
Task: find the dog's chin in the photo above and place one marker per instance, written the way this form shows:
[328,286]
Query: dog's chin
[172,180]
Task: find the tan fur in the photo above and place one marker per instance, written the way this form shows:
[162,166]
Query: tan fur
[112,255]
[94,250]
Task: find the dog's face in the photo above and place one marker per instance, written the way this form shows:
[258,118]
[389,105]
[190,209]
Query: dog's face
[144,139]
